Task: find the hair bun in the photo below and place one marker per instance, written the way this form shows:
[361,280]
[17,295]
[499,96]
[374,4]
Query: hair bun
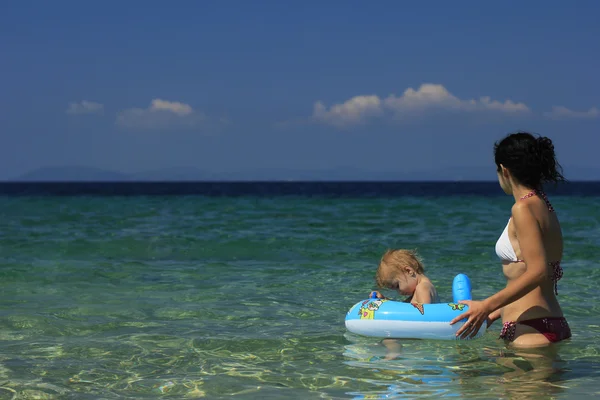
[544,144]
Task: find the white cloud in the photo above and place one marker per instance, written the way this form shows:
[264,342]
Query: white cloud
[560,112]
[160,114]
[429,97]
[85,107]
[354,111]
[173,106]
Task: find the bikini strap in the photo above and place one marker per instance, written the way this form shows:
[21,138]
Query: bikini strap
[557,274]
[550,208]
[542,195]
[528,195]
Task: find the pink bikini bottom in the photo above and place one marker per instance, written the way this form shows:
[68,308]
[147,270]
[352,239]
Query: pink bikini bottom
[554,329]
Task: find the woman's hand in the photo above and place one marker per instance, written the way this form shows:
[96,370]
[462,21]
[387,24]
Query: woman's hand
[476,315]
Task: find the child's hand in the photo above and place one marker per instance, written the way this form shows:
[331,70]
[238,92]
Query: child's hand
[378,295]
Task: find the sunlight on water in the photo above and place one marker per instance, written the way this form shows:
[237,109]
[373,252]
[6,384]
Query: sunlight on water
[209,298]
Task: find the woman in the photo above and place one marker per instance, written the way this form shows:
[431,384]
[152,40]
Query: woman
[530,248]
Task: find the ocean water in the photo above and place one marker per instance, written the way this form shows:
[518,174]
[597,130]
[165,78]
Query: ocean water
[240,290]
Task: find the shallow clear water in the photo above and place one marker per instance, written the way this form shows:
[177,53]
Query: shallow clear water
[146,297]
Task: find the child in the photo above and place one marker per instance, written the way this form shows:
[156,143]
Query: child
[403,271]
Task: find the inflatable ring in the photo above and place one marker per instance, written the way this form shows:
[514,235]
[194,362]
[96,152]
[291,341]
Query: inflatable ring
[399,320]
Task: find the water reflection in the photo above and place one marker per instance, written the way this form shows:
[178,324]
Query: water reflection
[479,369]
[530,371]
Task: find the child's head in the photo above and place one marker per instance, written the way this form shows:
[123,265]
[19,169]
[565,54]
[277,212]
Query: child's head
[399,270]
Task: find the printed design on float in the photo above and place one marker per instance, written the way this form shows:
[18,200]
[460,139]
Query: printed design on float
[368,307]
[419,306]
[456,306]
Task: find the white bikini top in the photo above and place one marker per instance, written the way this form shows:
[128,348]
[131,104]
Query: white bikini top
[504,248]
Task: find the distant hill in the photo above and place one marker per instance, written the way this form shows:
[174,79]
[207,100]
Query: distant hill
[173,174]
[71,174]
[90,174]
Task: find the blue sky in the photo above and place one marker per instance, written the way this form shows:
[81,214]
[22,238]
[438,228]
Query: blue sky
[246,85]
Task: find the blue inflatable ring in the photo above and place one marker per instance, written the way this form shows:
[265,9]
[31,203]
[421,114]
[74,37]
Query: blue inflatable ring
[400,320]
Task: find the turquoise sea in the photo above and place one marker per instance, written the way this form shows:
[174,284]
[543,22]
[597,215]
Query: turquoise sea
[228,290]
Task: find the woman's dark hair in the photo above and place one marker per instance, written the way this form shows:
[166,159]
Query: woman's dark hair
[531,160]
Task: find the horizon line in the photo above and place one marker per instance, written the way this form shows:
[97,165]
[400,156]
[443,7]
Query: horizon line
[175,181]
